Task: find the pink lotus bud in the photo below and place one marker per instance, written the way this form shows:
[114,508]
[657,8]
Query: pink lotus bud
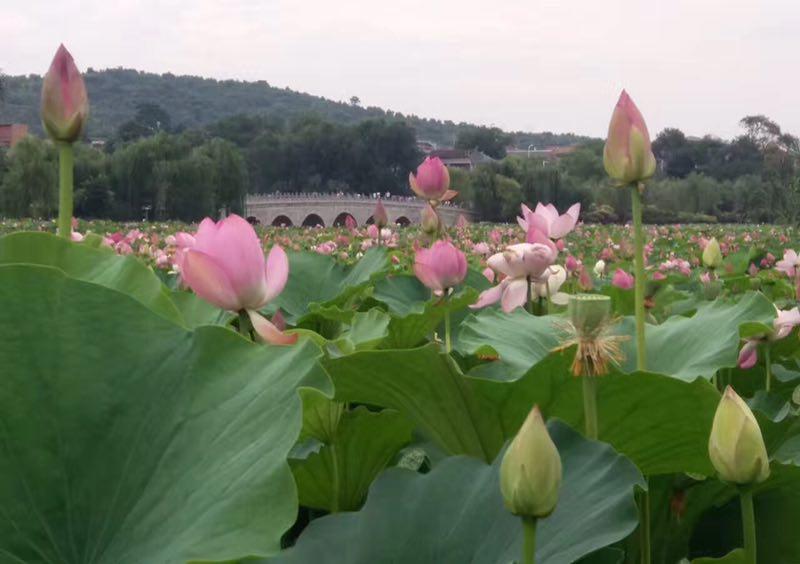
[379,216]
[226,267]
[560,244]
[65,104]
[571,263]
[627,155]
[441,267]
[748,356]
[432,180]
[373,232]
[462,222]
[350,223]
[481,248]
[430,220]
[622,280]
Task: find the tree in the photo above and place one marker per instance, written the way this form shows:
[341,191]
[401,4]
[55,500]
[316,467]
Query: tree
[29,186]
[149,120]
[674,153]
[355,101]
[491,141]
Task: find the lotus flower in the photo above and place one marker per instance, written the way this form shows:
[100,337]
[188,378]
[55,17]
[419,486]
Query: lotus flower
[530,472]
[790,263]
[226,267]
[549,288]
[712,254]
[441,267]
[736,446]
[622,280]
[628,156]
[379,216]
[65,104]
[547,220]
[432,181]
[520,264]
[430,220]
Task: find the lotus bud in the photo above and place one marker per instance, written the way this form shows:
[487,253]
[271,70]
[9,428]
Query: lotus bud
[627,155]
[589,313]
[735,446]
[379,216]
[712,254]
[65,104]
[600,268]
[432,180]
[430,220]
[530,473]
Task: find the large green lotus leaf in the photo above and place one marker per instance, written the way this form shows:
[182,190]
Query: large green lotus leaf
[698,346]
[196,311]
[734,557]
[518,339]
[100,266]
[319,279]
[362,445]
[128,439]
[660,423]
[455,513]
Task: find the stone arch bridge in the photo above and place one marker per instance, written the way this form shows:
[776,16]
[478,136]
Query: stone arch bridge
[330,210]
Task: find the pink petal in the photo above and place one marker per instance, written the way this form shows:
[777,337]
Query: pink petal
[490,296]
[267,331]
[515,295]
[562,226]
[208,280]
[277,272]
[748,356]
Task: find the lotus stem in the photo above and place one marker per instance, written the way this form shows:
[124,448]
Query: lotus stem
[767,368]
[336,481]
[748,525]
[448,347]
[638,238]
[529,304]
[529,545]
[644,523]
[65,188]
[244,325]
[590,405]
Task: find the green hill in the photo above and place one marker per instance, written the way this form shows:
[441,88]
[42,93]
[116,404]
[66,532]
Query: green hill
[193,101]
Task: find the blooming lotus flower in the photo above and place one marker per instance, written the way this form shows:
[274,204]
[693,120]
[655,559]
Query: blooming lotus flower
[783,324]
[736,446]
[531,472]
[549,288]
[65,104]
[622,280]
[627,155]
[790,263]
[547,220]
[441,267]
[432,181]
[226,267]
[520,264]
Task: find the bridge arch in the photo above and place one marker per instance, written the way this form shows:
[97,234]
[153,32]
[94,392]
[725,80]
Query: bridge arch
[313,220]
[403,221]
[340,220]
[282,221]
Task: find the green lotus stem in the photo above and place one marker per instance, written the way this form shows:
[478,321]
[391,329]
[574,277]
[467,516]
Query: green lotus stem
[767,368]
[529,545]
[65,183]
[748,525]
[547,288]
[714,381]
[644,523]
[638,238]
[336,481]
[529,303]
[244,325]
[590,405]
[448,347]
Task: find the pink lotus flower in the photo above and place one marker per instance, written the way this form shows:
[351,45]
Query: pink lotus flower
[622,280]
[785,322]
[748,356]
[432,181]
[65,104]
[481,248]
[379,216]
[441,267]
[372,231]
[790,263]
[627,155]
[521,264]
[571,264]
[547,220]
[226,267]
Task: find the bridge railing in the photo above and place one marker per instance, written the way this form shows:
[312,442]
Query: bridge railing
[338,197]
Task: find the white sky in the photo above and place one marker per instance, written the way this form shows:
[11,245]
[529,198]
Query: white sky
[536,65]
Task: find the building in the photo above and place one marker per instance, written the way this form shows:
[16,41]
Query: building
[460,158]
[12,133]
[545,154]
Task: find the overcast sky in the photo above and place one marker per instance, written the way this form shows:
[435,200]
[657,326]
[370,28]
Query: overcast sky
[556,65]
